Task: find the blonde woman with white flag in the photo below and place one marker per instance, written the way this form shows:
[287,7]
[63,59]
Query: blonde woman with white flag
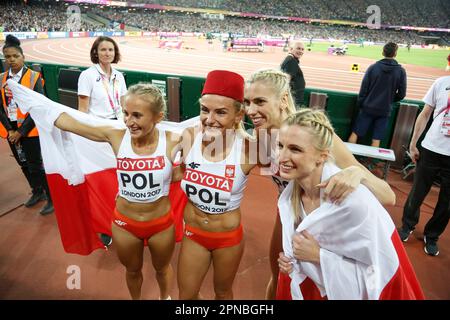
[269,102]
[346,251]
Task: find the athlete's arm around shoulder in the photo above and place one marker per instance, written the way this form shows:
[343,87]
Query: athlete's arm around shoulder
[257,145]
[249,158]
[187,140]
[356,172]
[106,133]
[173,141]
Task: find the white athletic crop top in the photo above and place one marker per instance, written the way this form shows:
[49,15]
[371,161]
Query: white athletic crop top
[214,187]
[143,178]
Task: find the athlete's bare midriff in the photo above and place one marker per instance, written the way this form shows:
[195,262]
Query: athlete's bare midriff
[224,222]
[143,211]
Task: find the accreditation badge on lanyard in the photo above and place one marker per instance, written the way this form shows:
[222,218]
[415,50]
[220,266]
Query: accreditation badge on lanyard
[445,125]
[12,109]
[115,95]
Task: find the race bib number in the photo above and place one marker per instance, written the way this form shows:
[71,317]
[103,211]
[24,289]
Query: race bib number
[141,179]
[208,192]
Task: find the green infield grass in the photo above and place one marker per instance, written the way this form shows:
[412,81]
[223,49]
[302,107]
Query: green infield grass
[436,58]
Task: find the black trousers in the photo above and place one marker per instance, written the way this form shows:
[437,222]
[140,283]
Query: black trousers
[32,168]
[299,99]
[430,164]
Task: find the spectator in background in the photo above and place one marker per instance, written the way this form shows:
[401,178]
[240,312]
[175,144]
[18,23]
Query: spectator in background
[384,83]
[432,160]
[19,128]
[101,88]
[291,65]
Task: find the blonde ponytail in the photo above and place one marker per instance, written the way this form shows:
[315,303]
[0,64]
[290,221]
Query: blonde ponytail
[322,132]
[278,81]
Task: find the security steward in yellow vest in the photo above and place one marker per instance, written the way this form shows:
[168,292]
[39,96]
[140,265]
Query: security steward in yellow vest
[19,129]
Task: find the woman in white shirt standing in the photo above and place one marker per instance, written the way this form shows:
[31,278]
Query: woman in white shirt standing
[101,88]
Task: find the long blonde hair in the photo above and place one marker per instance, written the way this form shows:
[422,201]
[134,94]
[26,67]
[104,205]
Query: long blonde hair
[278,81]
[318,124]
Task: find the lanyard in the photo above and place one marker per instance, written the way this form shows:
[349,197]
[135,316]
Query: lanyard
[9,99]
[115,93]
[12,109]
[445,110]
[445,125]
[448,104]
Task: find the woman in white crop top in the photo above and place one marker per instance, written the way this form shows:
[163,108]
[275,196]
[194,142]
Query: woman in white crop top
[144,171]
[216,165]
[269,102]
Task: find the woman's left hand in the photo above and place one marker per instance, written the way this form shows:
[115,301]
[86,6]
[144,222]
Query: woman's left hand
[305,247]
[14,137]
[339,186]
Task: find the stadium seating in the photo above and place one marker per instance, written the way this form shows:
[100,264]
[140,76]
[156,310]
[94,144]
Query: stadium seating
[68,86]
[51,15]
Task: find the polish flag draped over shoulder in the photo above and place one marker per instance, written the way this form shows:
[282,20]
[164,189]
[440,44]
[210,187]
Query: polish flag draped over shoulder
[82,173]
[361,256]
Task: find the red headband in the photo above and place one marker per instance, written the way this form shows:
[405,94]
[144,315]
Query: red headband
[225,83]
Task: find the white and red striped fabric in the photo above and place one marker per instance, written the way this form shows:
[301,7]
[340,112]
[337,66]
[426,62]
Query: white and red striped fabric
[361,255]
[82,173]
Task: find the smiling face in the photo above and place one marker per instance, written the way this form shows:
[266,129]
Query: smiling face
[263,105]
[218,114]
[298,157]
[14,58]
[139,117]
[297,49]
[105,52]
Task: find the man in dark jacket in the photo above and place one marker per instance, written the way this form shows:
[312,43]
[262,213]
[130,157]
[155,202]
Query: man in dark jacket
[384,83]
[291,65]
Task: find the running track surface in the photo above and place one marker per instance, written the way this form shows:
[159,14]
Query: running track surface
[197,58]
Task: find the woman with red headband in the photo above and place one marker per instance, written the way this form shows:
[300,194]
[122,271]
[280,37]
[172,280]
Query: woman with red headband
[215,175]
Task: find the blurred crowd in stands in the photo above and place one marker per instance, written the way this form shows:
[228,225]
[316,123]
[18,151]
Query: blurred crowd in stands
[52,16]
[43,16]
[430,13]
[172,22]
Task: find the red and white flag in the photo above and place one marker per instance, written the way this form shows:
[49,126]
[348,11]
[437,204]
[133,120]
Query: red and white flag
[82,173]
[361,256]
